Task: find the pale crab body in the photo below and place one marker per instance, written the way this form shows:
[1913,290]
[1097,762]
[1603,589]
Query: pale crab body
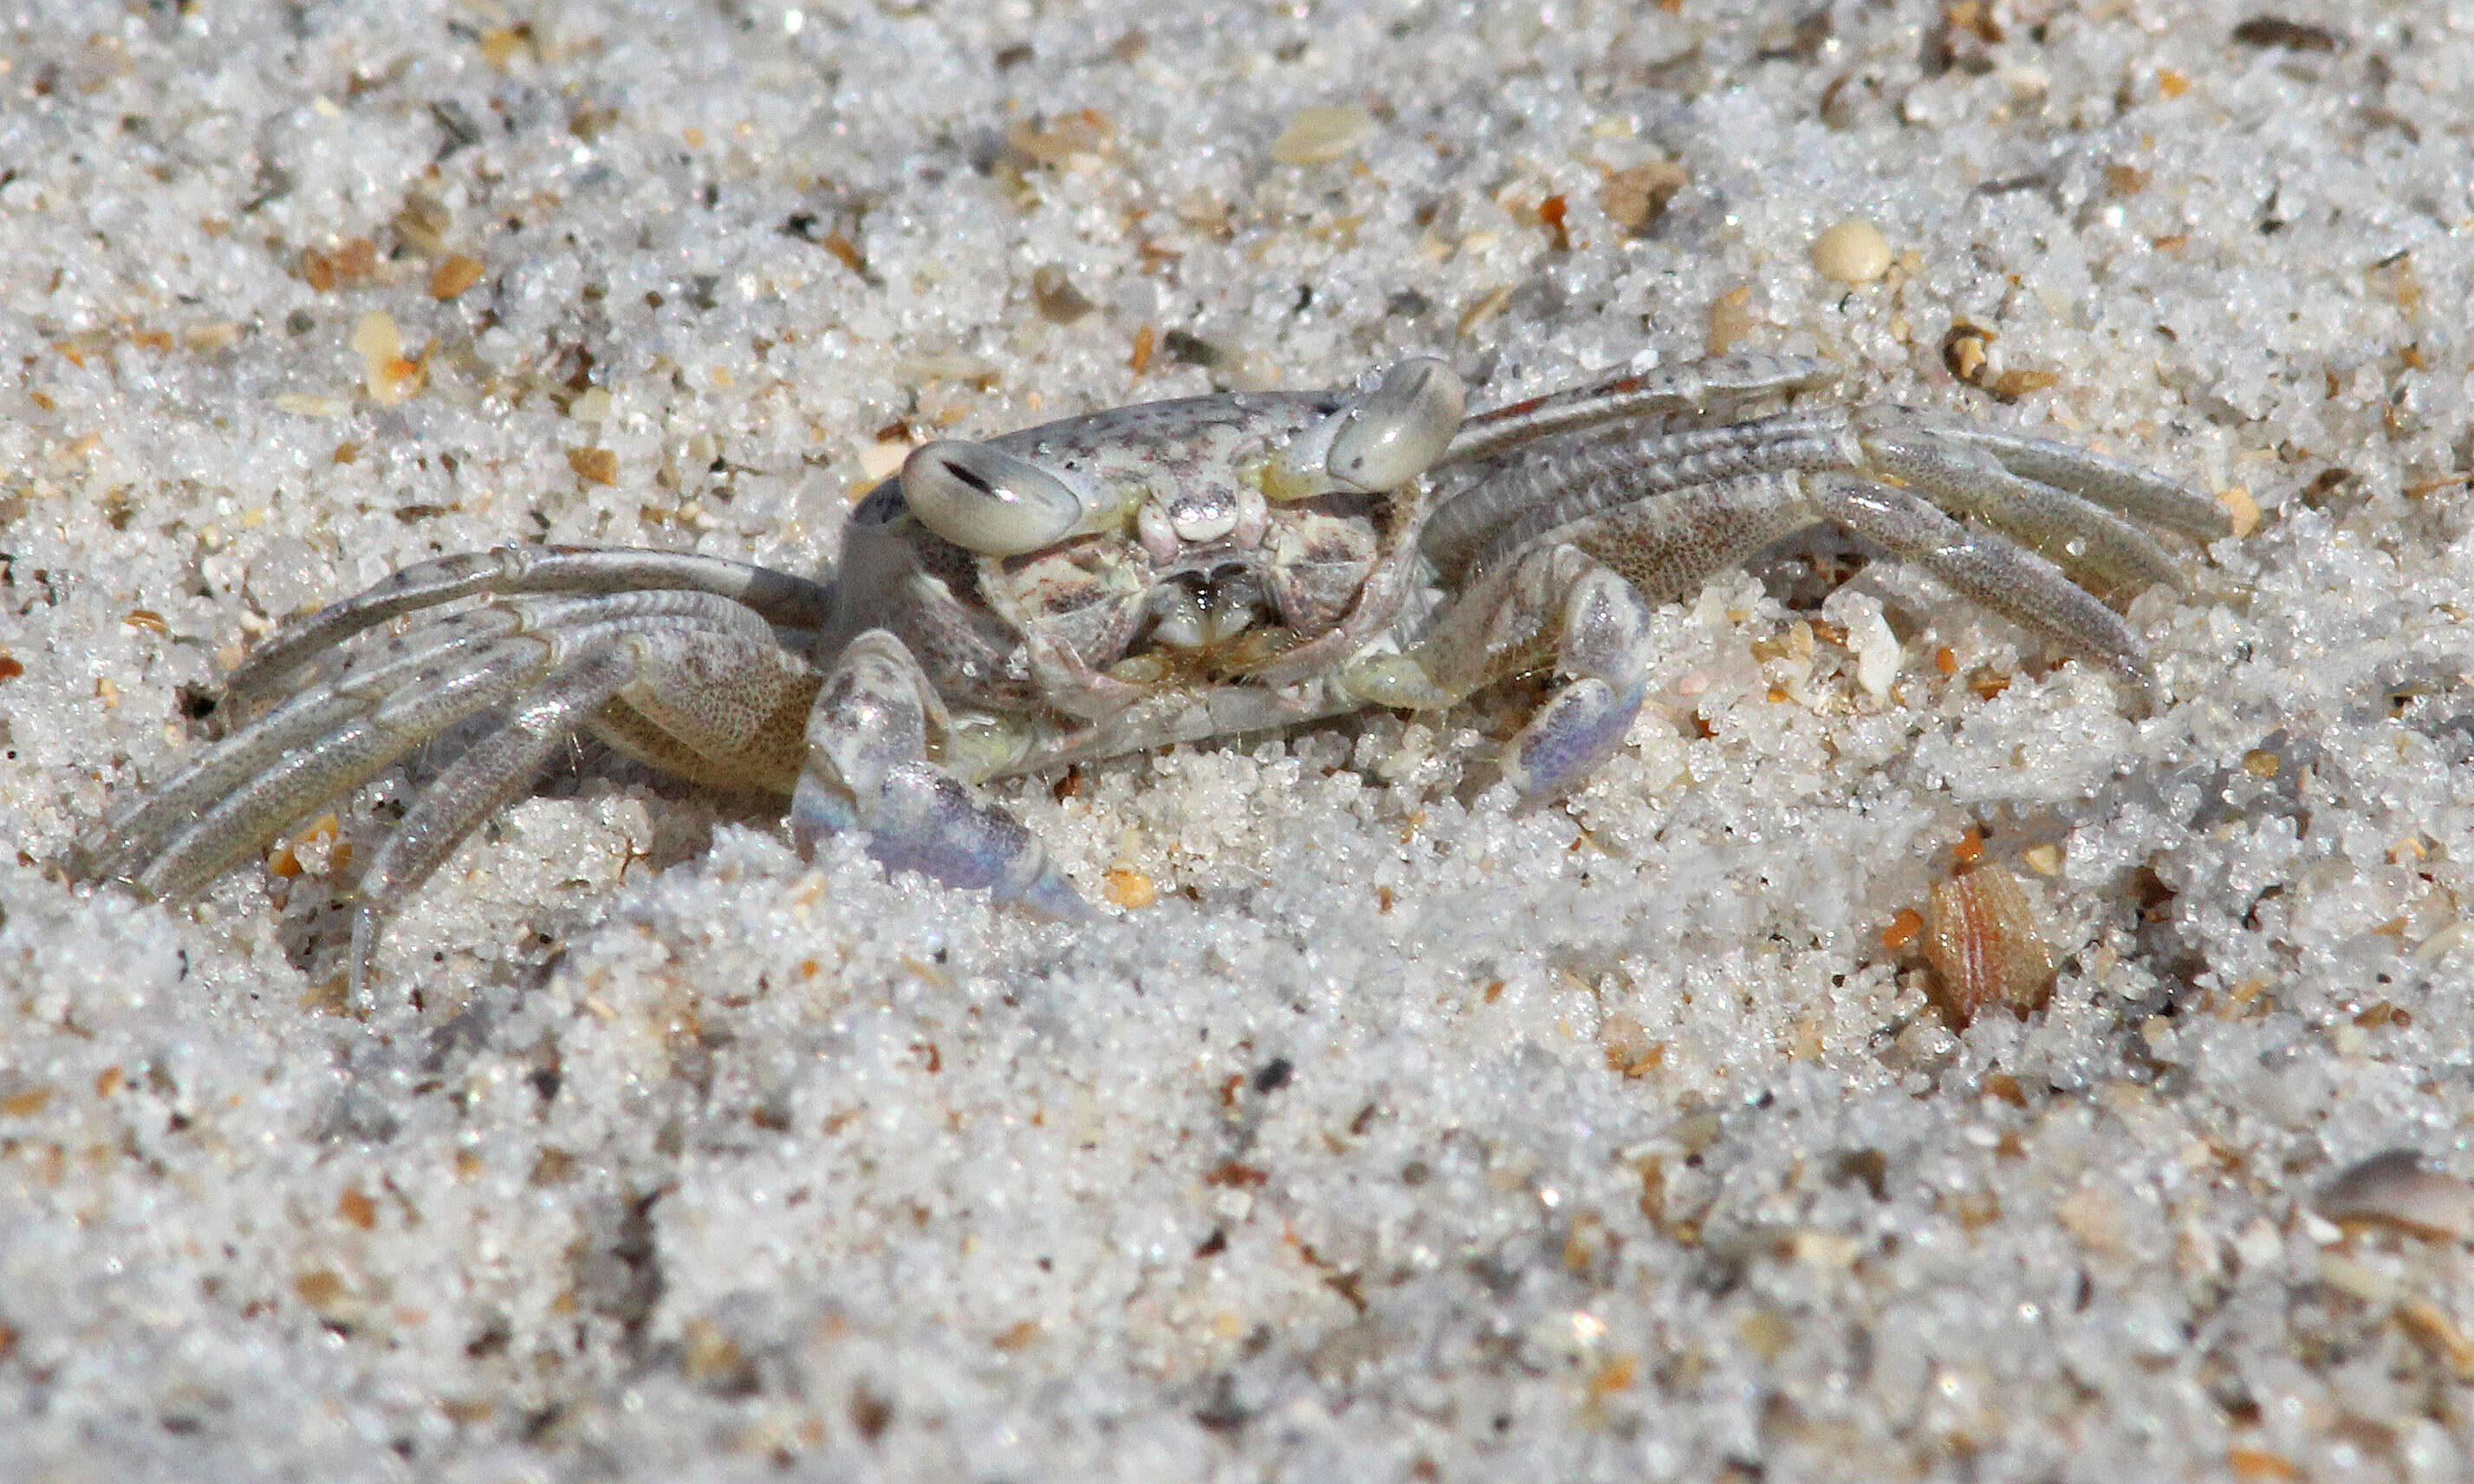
[1149,574]
[1209,585]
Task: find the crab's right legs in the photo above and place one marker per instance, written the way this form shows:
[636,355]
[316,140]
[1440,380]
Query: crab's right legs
[2141,494]
[868,770]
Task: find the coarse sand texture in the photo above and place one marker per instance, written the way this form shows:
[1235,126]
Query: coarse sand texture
[1909,1058]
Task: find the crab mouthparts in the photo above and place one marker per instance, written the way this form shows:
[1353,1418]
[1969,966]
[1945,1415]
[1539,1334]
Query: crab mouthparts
[1205,610]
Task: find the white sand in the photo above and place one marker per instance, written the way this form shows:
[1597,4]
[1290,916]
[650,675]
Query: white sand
[667,1155]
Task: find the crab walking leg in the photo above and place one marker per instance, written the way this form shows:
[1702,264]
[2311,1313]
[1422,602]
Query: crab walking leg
[430,658]
[1716,381]
[123,845]
[1582,592]
[2125,489]
[867,768]
[1967,482]
[791,601]
[2006,579]
[732,719]
[484,780]
[1660,469]
[333,737]
[1667,543]
[720,693]
[188,857]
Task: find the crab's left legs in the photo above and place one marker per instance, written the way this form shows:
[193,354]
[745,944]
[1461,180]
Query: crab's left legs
[1556,604]
[2006,579]
[709,677]
[868,767]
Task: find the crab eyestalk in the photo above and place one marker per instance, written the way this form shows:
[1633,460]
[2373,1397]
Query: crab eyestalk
[1378,442]
[985,499]
[1400,432]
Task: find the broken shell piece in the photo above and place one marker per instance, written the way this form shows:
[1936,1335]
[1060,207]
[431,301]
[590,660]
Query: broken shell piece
[1982,941]
[1962,349]
[2395,1188]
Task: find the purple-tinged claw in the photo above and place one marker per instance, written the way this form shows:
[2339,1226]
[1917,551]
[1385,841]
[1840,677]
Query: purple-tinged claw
[1049,897]
[817,813]
[921,820]
[1579,729]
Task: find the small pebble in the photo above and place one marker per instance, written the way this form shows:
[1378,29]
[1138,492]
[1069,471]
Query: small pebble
[2395,1188]
[376,337]
[1059,301]
[1131,889]
[878,460]
[1322,133]
[1853,252]
[1876,652]
[454,275]
[595,466]
[2244,509]
[1634,199]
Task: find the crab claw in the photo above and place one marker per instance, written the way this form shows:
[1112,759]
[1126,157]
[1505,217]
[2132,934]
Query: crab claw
[920,818]
[867,769]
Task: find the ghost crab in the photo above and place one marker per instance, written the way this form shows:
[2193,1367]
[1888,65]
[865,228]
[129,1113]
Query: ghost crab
[1146,575]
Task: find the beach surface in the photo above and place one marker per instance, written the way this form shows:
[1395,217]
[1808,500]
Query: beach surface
[1378,1130]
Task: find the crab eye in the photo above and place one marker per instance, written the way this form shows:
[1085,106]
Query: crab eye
[1402,428]
[985,499]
